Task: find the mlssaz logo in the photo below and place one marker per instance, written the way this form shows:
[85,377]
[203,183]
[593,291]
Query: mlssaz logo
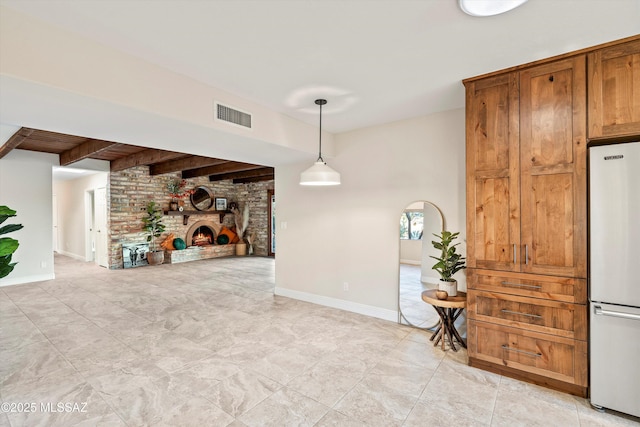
[619,156]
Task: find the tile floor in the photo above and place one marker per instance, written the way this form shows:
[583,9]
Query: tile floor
[414,311]
[207,344]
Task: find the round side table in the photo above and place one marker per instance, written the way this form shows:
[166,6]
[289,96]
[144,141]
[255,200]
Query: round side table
[448,310]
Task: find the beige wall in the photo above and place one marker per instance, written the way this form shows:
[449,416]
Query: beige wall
[349,233]
[25,186]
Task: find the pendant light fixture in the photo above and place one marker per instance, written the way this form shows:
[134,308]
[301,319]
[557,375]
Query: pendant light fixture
[320,173]
[488,7]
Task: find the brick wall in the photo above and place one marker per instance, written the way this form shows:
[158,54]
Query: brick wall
[131,190]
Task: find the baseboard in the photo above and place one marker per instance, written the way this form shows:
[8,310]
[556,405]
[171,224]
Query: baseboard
[72,255]
[26,279]
[354,307]
[410,262]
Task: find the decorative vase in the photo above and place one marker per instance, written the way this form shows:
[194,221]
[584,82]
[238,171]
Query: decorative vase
[241,249]
[155,258]
[173,205]
[450,287]
[442,295]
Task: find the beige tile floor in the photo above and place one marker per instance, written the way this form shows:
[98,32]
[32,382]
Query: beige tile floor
[207,344]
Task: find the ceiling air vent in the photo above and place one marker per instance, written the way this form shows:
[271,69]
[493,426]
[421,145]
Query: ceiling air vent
[232,115]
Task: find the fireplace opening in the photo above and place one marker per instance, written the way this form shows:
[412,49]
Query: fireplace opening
[203,236]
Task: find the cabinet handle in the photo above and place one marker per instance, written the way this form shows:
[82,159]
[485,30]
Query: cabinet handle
[526,254]
[521,314]
[514,253]
[515,350]
[521,285]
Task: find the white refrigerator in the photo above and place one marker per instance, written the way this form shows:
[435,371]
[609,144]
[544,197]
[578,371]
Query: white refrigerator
[614,279]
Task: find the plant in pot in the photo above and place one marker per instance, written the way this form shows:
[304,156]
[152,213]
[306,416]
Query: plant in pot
[7,245]
[178,193]
[154,227]
[449,262]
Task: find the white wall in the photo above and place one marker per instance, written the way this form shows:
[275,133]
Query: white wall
[411,251]
[349,233]
[72,226]
[25,186]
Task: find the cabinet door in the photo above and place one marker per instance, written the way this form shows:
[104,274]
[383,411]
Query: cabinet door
[493,217]
[614,91]
[553,166]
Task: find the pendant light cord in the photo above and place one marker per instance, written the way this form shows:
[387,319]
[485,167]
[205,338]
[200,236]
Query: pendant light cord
[320,159]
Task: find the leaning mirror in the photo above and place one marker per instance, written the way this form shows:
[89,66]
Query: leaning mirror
[418,222]
[202,198]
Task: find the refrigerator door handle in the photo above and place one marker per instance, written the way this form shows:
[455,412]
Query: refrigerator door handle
[597,310]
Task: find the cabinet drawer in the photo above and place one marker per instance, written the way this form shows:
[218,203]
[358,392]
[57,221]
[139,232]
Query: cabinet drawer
[554,357]
[566,289]
[550,317]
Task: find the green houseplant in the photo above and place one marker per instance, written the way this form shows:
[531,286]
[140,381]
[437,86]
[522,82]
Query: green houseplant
[7,245]
[152,224]
[449,261]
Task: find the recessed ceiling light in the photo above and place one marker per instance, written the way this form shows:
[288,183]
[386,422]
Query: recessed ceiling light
[488,7]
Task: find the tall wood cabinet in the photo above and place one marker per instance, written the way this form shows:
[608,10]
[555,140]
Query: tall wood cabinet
[526,159]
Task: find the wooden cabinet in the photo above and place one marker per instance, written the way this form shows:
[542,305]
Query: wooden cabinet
[530,327]
[553,155]
[545,359]
[614,90]
[526,170]
[493,173]
[526,223]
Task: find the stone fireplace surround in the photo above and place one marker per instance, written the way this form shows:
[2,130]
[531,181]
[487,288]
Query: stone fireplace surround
[211,225]
[194,253]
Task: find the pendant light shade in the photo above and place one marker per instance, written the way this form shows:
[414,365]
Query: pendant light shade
[488,7]
[320,173]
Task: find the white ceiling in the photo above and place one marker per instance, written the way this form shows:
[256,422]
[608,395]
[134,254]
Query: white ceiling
[376,61]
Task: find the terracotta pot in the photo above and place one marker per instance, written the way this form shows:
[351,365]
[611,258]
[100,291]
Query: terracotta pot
[241,249]
[450,287]
[155,258]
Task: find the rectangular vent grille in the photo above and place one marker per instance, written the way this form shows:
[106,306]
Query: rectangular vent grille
[232,115]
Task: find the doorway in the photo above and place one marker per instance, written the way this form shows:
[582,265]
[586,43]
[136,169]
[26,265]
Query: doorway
[96,231]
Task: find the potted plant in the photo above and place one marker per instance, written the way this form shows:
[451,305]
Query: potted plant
[7,245]
[178,193]
[449,262]
[154,227]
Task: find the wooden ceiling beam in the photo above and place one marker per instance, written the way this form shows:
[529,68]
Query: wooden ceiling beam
[15,140]
[245,174]
[143,158]
[191,162]
[253,179]
[85,150]
[219,169]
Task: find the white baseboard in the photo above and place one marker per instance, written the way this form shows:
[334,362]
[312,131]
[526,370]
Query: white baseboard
[9,281]
[354,307]
[72,255]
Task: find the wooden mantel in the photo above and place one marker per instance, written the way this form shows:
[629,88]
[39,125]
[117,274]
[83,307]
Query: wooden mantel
[187,214]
